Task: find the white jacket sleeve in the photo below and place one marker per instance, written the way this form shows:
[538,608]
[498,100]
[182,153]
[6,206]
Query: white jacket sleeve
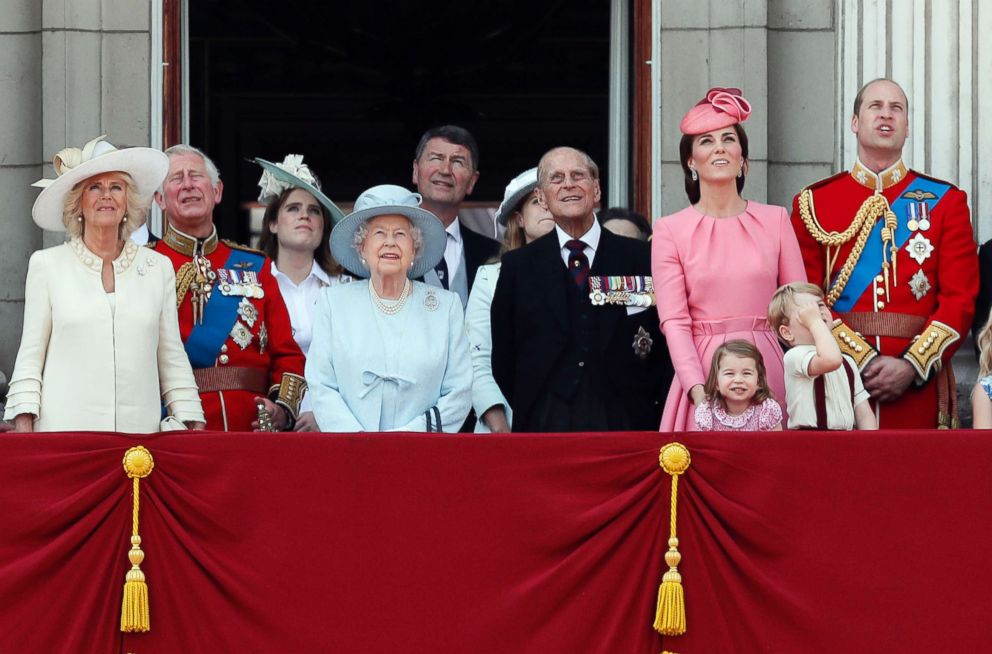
[24,394]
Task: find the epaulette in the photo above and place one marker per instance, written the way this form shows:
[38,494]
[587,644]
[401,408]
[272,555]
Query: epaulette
[829,180]
[934,179]
[243,248]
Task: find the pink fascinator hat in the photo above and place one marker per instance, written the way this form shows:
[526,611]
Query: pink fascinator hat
[720,108]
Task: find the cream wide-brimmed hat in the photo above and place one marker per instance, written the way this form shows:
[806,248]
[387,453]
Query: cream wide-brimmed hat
[518,188]
[389,200]
[146,166]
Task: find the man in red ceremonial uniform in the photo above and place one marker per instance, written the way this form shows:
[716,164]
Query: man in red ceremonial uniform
[893,250]
[232,318]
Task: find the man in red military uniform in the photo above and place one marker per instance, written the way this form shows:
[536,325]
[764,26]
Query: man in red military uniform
[232,318]
[893,250]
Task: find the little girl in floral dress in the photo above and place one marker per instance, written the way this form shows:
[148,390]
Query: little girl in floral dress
[737,395]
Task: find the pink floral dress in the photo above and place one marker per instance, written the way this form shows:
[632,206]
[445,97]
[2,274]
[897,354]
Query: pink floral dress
[758,417]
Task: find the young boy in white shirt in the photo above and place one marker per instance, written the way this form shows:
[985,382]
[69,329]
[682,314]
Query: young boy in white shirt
[823,388]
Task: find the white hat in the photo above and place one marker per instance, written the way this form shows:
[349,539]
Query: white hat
[292,173]
[388,200]
[146,166]
[518,188]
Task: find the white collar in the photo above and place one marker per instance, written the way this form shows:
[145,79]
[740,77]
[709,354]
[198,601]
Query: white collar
[590,238]
[454,230]
[315,271]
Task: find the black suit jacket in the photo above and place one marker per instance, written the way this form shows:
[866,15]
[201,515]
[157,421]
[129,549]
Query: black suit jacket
[478,250]
[530,328]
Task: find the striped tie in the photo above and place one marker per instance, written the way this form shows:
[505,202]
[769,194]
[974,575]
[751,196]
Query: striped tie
[578,264]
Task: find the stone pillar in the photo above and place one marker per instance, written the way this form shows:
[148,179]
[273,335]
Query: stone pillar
[20,143]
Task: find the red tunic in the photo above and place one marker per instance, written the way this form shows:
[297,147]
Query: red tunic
[279,357]
[946,282]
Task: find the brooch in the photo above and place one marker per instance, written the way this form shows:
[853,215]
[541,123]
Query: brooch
[642,343]
[431,302]
[919,248]
[241,335]
[248,312]
[919,284]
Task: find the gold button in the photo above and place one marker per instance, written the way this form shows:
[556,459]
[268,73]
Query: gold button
[858,348]
[223,359]
[879,291]
[880,304]
[223,348]
[843,334]
[879,279]
[921,350]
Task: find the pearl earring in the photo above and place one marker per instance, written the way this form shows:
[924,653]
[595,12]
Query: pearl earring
[740,173]
[125,219]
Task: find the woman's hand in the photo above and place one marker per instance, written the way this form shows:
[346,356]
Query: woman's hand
[306,422]
[495,419]
[697,395]
[24,423]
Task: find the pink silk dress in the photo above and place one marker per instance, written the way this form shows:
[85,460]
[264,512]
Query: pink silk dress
[713,280]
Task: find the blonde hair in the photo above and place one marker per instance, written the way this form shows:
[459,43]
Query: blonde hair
[745,350]
[984,342]
[784,300]
[135,211]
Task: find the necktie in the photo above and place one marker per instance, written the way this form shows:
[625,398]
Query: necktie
[442,272]
[578,264]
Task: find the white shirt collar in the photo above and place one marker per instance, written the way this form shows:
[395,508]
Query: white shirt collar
[590,238]
[454,230]
[315,271]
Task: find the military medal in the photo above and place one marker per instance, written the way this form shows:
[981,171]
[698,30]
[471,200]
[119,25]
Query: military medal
[919,216]
[919,284]
[241,335]
[263,338]
[919,248]
[248,312]
[642,343]
[624,290]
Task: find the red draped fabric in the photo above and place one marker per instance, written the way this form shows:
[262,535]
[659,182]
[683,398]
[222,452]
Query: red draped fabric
[791,542]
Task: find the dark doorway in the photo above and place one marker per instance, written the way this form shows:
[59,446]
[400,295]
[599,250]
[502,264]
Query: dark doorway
[352,86]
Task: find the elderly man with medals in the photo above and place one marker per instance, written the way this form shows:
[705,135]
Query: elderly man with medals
[894,252]
[232,318]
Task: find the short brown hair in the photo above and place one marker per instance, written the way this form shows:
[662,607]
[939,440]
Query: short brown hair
[861,92]
[744,349]
[785,298]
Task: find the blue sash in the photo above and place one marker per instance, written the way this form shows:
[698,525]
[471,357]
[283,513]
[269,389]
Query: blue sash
[870,263]
[219,314]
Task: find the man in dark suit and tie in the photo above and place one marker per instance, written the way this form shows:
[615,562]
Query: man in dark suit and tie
[445,170]
[576,346]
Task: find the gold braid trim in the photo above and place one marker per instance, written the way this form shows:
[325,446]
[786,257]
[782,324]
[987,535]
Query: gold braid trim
[184,276]
[864,221]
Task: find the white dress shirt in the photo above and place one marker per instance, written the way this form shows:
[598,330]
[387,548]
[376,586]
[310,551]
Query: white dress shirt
[454,248]
[590,238]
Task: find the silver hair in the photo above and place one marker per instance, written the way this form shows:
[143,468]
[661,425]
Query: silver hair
[135,213]
[363,231]
[182,148]
[542,167]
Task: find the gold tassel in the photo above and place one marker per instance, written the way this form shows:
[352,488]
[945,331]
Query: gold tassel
[670,617]
[135,617]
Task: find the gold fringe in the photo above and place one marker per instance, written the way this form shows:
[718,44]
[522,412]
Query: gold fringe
[135,615]
[670,617]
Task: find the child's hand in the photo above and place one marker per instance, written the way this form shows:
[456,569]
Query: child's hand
[809,312]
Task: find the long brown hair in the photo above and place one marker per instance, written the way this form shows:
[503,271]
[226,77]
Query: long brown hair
[746,350]
[269,244]
[984,342]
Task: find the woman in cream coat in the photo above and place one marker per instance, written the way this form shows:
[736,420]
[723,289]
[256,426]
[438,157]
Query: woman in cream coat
[389,354]
[100,348]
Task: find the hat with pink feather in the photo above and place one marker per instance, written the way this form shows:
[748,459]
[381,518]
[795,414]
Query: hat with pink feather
[720,108]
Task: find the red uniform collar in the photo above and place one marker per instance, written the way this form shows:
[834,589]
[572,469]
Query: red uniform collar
[190,245]
[879,181]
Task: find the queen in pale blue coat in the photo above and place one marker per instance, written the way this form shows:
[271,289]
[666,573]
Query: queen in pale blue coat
[389,353]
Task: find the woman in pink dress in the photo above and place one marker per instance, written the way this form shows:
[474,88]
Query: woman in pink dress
[717,262]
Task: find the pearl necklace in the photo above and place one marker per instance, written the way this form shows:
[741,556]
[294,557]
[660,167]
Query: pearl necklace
[390,307]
